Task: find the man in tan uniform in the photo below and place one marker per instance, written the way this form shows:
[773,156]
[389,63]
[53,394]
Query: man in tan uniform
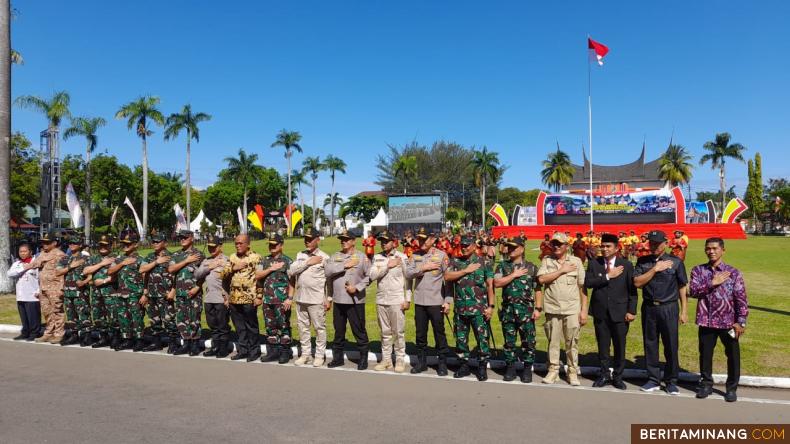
[393,298]
[312,302]
[51,284]
[565,305]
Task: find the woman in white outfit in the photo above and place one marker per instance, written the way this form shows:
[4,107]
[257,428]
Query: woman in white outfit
[26,294]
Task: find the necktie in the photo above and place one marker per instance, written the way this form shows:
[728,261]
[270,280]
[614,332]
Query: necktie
[607,265]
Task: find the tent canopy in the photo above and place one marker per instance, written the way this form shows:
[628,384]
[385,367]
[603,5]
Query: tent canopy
[195,224]
[380,220]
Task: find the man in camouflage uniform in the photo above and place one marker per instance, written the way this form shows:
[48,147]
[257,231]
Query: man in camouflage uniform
[474,304]
[158,282]
[96,271]
[126,272]
[189,300]
[76,292]
[51,287]
[518,279]
[277,290]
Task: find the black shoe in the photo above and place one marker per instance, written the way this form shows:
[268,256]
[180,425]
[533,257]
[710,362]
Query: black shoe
[212,351]
[252,358]
[115,342]
[223,349]
[510,372]
[482,370]
[618,384]
[526,374]
[238,357]
[102,342]
[272,353]
[422,363]
[172,346]
[462,371]
[602,380]
[126,344]
[139,345]
[441,369]
[194,348]
[70,338]
[285,354]
[86,339]
[20,337]
[730,396]
[703,391]
[184,349]
[337,361]
[154,345]
[363,362]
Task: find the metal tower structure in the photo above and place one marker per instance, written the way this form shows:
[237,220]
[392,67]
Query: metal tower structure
[50,180]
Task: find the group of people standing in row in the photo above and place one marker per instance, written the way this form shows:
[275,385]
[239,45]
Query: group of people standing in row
[105,299]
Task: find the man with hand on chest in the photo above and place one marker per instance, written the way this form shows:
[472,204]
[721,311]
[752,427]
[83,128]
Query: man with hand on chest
[613,307]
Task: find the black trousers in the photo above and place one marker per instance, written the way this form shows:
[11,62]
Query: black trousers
[245,319]
[353,314]
[217,318]
[661,322]
[609,332]
[30,315]
[732,349]
[433,313]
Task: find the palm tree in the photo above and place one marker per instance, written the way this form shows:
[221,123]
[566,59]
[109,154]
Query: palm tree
[55,109]
[246,171]
[290,141]
[333,164]
[87,128]
[6,284]
[298,178]
[675,168]
[332,199]
[557,170]
[313,165]
[188,122]
[16,58]
[405,167]
[719,151]
[138,113]
[486,167]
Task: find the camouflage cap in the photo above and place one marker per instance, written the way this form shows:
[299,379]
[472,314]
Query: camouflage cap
[560,237]
[129,237]
[311,233]
[185,233]
[213,241]
[514,242]
[275,239]
[76,239]
[158,237]
[346,235]
[467,240]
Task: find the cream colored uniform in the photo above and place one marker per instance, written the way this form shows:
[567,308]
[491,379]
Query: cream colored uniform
[310,297]
[393,289]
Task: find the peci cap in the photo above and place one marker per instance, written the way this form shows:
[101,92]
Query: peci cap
[610,238]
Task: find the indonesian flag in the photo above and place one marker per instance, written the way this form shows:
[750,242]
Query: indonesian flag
[597,51]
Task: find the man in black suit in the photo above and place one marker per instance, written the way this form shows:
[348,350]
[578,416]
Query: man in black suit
[613,307]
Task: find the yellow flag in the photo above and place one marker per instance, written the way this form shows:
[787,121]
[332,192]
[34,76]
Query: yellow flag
[295,218]
[255,220]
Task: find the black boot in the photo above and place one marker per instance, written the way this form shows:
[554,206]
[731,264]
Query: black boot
[223,349]
[172,345]
[86,339]
[463,370]
[510,372]
[441,369]
[194,347]
[66,339]
[154,345]
[139,345]
[422,363]
[482,370]
[285,354]
[213,350]
[272,353]
[103,341]
[184,348]
[125,344]
[116,341]
[526,374]
[337,359]
[363,360]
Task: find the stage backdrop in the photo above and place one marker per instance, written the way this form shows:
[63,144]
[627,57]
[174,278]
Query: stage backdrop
[637,207]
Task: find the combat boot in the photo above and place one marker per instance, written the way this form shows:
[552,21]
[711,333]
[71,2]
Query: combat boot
[69,338]
[223,349]
[86,339]
[337,360]
[482,370]
[156,344]
[74,339]
[422,363]
[510,372]
[526,374]
[385,364]
[184,349]
[115,342]
[304,359]
[463,370]
[400,366]
[363,361]
[103,341]
[272,353]
[194,347]
[551,376]
[213,350]
[441,369]
[139,345]
[285,354]
[172,346]
[126,344]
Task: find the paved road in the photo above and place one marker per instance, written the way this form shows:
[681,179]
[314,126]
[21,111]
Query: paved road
[68,394]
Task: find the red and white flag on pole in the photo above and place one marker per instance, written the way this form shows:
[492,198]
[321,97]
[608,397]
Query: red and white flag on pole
[597,51]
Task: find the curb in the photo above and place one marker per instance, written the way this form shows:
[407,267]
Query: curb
[629,373]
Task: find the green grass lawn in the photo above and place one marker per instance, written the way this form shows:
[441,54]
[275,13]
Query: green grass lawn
[765,349]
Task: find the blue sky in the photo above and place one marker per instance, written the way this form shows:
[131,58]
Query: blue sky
[355,76]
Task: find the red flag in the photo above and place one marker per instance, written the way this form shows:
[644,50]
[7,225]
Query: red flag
[597,50]
[259,212]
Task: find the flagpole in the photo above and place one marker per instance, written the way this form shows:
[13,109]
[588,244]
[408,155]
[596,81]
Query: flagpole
[589,127]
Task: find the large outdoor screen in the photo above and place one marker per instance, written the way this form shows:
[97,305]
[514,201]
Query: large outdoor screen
[655,206]
[415,209]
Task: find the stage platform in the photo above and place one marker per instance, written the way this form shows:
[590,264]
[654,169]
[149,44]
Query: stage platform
[693,231]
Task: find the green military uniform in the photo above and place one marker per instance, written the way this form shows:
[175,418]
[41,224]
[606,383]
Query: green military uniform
[275,291]
[188,309]
[76,299]
[518,303]
[470,299]
[130,314]
[161,312]
[103,301]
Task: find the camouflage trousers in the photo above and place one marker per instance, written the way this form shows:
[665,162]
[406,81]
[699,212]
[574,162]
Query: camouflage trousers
[99,312]
[517,321]
[162,315]
[112,304]
[278,324]
[188,311]
[477,323]
[131,317]
[77,305]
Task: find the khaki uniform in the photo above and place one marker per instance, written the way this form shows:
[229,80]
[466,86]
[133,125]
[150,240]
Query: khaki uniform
[393,290]
[51,295]
[309,297]
[561,305]
[428,285]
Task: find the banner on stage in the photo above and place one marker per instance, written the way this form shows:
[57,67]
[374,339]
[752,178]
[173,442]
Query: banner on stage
[415,209]
[654,206]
